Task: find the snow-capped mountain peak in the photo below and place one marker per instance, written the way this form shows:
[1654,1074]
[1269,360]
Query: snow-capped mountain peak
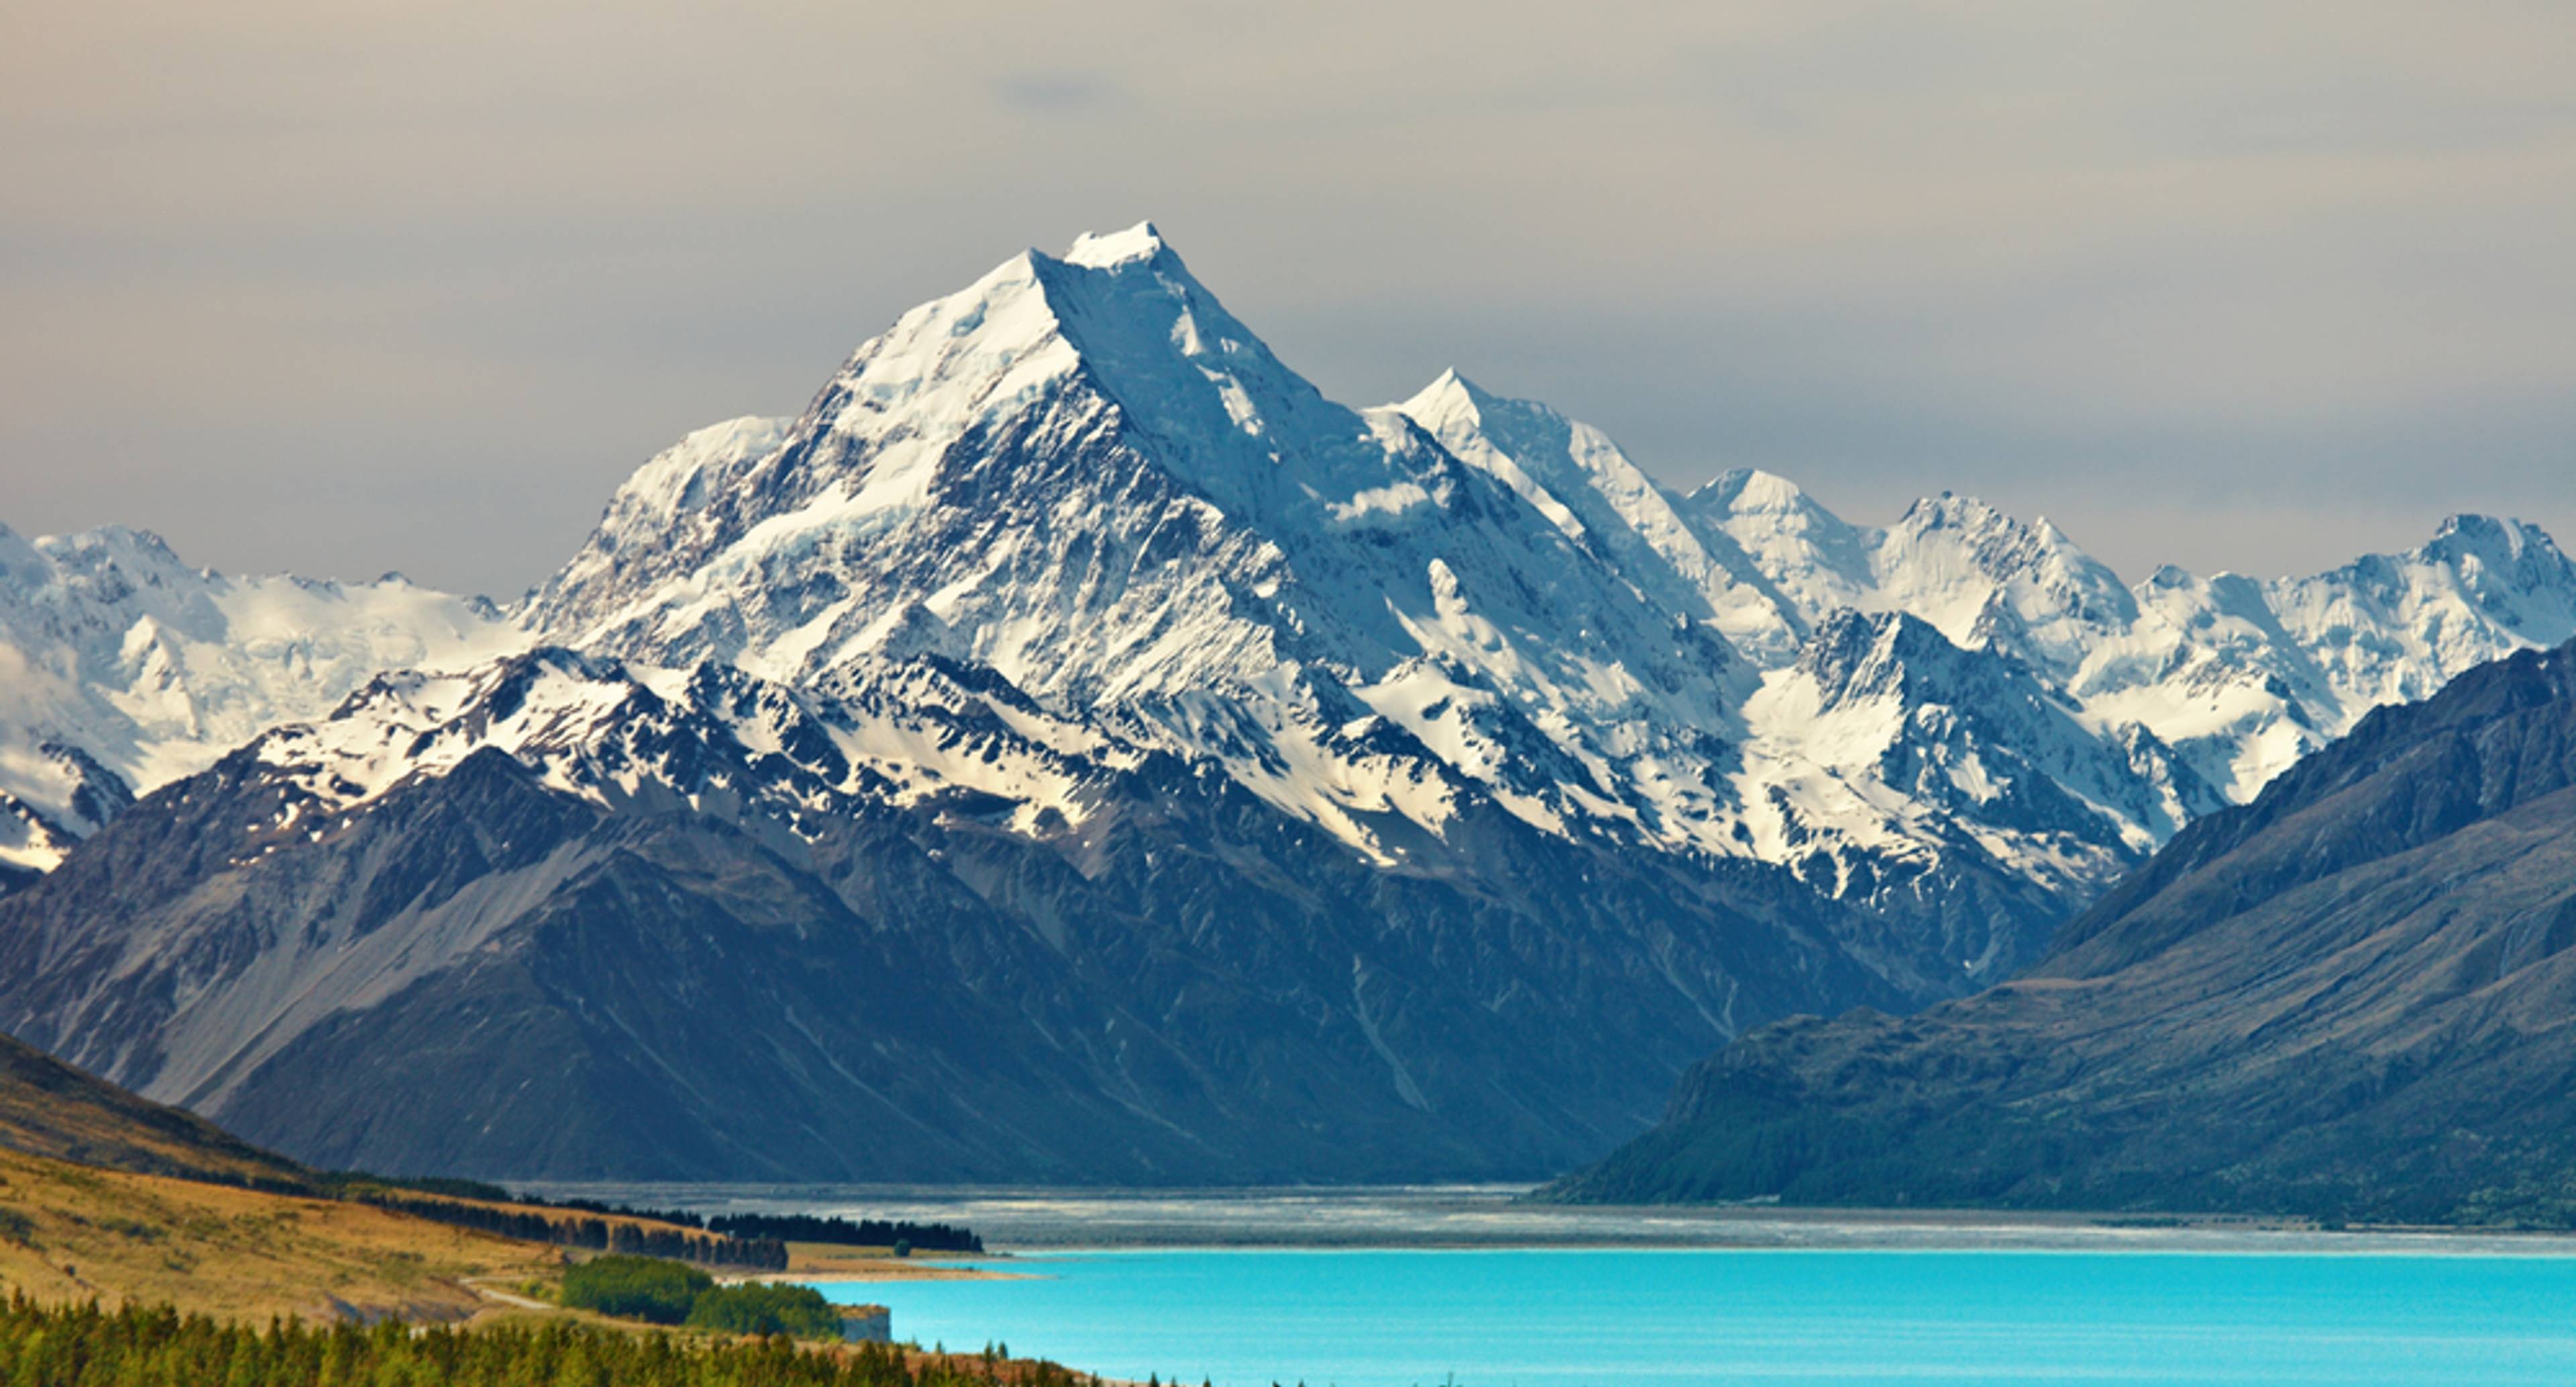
[1454,411]
[1103,250]
[1230,420]
[1087,475]
[2508,564]
[1816,560]
[677,480]
[1986,579]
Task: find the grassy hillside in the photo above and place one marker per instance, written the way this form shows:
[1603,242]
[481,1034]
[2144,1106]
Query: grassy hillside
[107,1195]
[72,1233]
[48,1108]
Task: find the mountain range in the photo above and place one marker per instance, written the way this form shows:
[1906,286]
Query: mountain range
[2348,999]
[1074,748]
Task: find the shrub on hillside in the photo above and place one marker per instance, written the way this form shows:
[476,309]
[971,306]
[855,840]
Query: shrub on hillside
[635,1288]
[759,1308]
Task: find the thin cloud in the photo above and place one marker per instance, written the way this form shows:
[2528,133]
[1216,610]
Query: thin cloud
[1055,93]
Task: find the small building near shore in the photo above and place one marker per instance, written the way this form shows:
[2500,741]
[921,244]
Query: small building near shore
[867,1324]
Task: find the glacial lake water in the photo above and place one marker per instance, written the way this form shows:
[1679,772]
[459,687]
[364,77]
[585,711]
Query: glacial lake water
[1570,1317]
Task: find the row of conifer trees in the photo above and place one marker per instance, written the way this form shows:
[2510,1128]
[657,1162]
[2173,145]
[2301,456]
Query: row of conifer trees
[594,1234]
[86,1346]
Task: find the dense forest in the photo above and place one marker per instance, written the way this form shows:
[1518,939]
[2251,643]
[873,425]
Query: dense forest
[85,1346]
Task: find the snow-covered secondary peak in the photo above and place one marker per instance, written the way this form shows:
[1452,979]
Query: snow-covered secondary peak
[1817,561]
[1989,580]
[1984,760]
[2236,677]
[1750,491]
[2480,589]
[1981,577]
[676,480]
[1456,412]
[1450,395]
[1449,381]
[2505,560]
[2244,676]
[1578,478]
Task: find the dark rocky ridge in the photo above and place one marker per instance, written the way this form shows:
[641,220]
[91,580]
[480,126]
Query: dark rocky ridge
[2353,998]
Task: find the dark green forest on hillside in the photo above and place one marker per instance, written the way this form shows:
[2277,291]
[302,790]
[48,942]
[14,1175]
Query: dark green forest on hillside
[643,1288]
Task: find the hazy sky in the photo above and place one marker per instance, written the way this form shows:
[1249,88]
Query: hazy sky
[348,286]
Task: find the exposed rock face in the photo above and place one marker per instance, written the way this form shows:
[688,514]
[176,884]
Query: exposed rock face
[2352,997]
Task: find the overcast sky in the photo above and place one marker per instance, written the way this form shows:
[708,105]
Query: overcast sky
[348,286]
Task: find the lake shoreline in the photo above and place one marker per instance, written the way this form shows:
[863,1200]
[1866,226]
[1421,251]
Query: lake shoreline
[1039,1221]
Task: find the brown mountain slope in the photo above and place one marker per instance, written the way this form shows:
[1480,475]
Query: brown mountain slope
[2353,998]
[48,1108]
[76,1233]
[106,1195]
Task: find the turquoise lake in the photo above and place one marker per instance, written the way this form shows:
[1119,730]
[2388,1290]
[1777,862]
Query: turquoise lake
[1561,1317]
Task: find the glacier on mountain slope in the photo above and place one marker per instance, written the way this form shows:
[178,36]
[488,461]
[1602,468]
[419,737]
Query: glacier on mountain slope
[1085,476]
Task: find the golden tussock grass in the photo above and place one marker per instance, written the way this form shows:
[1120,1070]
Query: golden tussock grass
[74,1233]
